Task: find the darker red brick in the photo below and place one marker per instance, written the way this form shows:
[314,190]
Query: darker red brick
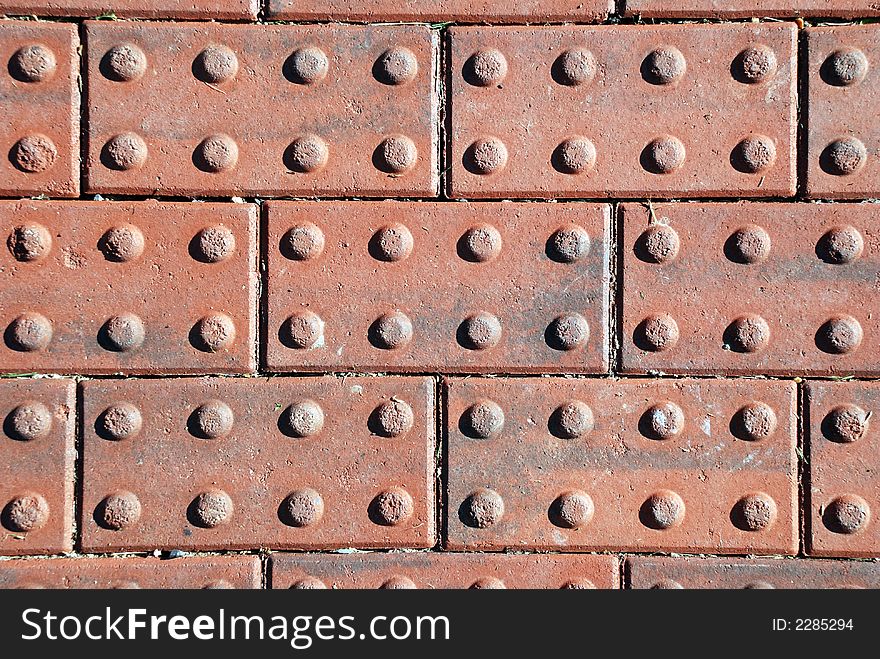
[193,9]
[750,8]
[36,466]
[443,570]
[676,465]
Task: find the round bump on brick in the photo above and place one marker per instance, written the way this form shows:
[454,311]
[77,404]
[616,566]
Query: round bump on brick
[124,63]
[213,244]
[568,244]
[28,421]
[656,333]
[754,154]
[307,65]
[396,66]
[759,585]
[747,333]
[122,333]
[25,513]
[663,155]
[578,584]
[211,509]
[391,418]
[396,154]
[391,331]
[667,584]
[845,424]
[485,156]
[304,418]
[488,583]
[748,244]
[482,508]
[662,421]
[119,421]
[572,510]
[480,243]
[658,243]
[215,154]
[843,157]
[216,64]
[571,420]
[213,333]
[398,582]
[29,242]
[309,583]
[753,422]
[29,332]
[755,64]
[302,330]
[574,155]
[662,510]
[219,584]
[211,420]
[754,512]
[33,63]
[307,154]
[485,68]
[479,331]
[392,242]
[391,507]
[840,245]
[567,332]
[844,67]
[303,242]
[575,66]
[124,152]
[482,420]
[839,335]
[664,66]
[303,507]
[847,514]
[122,243]
[34,154]
[118,511]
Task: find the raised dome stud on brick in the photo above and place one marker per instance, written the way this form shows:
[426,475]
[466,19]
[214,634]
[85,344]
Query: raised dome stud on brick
[334,110]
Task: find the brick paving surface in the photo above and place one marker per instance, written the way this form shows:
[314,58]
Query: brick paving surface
[439,295]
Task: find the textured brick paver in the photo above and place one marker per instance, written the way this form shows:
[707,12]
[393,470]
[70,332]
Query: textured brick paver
[844,486]
[689,465]
[262,109]
[304,571]
[750,288]
[843,140]
[692,572]
[36,466]
[239,464]
[189,572]
[194,9]
[438,287]
[39,126]
[135,287]
[623,111]
[750,8]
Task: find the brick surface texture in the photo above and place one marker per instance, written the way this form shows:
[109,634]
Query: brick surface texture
[334,294]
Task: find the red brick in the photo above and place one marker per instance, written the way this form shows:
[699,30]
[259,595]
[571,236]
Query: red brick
[190,572]
[263,109]
[750,8]
[693,572]
[843,140]
[347,464]
[341,297]
[36,466]
[523,131]
[443,570]
[194,9]
[771,289]
[636,465]
[522,11]
[39,130]
[843,497]
[112,287]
